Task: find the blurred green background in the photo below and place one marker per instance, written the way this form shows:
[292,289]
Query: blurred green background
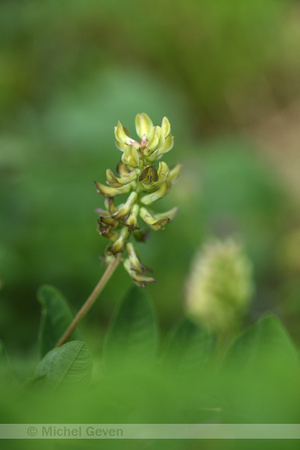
[226,74]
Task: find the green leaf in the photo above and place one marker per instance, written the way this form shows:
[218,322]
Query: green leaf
[264,344]
[189,346]
[3,357]
[133,331]
[5,370]
[66,366]
[55,319]
[7,374]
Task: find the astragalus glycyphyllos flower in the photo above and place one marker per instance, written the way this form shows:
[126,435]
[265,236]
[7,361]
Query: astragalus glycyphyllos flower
[220,286]
[145,181]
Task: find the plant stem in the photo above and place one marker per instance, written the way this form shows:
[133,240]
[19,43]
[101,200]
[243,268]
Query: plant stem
[91,300]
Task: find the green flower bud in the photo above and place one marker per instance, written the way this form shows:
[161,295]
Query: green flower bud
[131,157]
[102,212]
[160,193]
[153,222]
[139,279]
[122,169]
[167,146]
[165,127]
[109,203]
[116,182]
[108,191]
[124,210]
[156,140]
[143,125]
[131,221]
[122,135]
[135,263]
[119,244]
[121,146]
[163,172]
[168,214]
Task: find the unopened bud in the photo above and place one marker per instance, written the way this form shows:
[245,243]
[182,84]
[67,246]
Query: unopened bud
[131,157]
[160,193]
[134,260]
[143,125]
[116,182]
[153,222]
[110,205]
[167,145]
[122,135]
[122,169]
[165,127]
[121,146]
[124,210]
[108,191]
[139,279]
[119,244]
[168,214]
[131,221]
[156,140]
[163,172]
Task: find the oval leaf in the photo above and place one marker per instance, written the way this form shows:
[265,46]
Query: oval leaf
[55,319]
[5,370]
[265,343]
[3,356]
[133,331]
[65,366]
[189,346]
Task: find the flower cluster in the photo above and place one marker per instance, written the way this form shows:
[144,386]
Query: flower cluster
[219,287]
[144,182]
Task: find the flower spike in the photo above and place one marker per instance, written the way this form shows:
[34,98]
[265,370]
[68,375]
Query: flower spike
[145,182]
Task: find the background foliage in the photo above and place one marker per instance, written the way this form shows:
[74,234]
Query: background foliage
[226,74]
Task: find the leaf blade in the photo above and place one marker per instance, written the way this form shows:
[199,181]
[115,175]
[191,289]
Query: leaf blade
[133,330]
[189,347]
[56,316]
[264,343]
[68,365]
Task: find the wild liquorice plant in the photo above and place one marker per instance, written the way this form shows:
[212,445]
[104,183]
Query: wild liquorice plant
[145,179]
[219,288]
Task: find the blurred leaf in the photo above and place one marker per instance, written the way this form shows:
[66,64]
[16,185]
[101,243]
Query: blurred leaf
[6,372]
[133,331]
[189,346]
[65,366]
[56,317]
[3,359]
[259,377]
[264,344]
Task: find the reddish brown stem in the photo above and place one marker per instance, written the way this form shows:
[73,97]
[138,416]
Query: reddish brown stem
[90,301]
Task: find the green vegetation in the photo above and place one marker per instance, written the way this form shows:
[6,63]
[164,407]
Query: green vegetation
[226,75]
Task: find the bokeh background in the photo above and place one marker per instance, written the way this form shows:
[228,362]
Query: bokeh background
[226,74]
